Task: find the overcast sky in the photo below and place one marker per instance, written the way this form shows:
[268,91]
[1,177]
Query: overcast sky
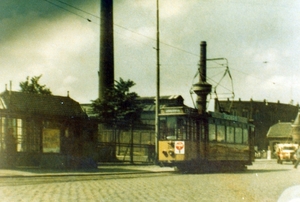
[259,38]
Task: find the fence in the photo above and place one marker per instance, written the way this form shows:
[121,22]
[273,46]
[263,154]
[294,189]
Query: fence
[126,146]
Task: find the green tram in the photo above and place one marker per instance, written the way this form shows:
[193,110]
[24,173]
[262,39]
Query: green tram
[207,142]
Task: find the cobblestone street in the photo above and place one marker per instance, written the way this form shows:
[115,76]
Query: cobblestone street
[264,181]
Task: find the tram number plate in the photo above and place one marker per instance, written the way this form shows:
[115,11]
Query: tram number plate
[179,147]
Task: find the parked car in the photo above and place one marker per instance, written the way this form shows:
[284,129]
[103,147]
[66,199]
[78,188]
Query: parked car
[286,152]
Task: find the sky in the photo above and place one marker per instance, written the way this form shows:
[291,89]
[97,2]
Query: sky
[258,39]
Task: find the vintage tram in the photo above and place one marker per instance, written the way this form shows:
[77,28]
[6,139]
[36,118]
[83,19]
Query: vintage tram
[194,139]
[206,142]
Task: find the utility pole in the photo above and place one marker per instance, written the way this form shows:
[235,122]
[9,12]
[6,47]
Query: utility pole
[157,83]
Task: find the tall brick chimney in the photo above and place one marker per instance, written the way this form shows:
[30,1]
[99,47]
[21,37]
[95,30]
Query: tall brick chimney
[106,65]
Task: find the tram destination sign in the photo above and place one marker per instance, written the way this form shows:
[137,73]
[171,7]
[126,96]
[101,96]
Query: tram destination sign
[173,110]
[228,117]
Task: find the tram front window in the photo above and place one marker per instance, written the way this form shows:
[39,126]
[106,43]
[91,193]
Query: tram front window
[172,128]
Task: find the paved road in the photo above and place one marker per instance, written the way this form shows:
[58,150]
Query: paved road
[264,181]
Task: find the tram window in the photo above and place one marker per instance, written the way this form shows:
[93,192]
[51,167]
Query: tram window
[188,129]
[220,133]
[163,129]
[193,130]
[230,134]
[245,136]
[181,129]
[212,132]
[167,128]
[238,135]
[171,128]
[202,129]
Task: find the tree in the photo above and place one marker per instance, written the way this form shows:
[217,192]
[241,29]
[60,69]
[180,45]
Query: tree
[31,85]
[119,109]
[119,106]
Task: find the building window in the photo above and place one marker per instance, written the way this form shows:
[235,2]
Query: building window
[2,133]
[234,112]
[245,113]
[20,135]
[51,140]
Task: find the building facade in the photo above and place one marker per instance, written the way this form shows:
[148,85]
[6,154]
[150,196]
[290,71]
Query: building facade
[43,131]
[280,132]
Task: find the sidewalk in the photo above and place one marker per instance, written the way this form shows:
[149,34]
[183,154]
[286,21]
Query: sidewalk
[108,169]
[103,169]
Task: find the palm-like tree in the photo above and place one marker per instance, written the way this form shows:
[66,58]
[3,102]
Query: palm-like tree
[31,85]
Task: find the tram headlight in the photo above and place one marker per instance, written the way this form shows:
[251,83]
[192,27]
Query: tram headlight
[165,153]
[171,143]
[171,153]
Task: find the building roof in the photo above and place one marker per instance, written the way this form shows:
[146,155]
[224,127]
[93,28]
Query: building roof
[88,109]
[280,130]
[37,104]
[297,120]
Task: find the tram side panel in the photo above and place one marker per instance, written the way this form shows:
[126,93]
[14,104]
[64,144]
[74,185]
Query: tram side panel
[229,141]
[177,151]
[228,152]
[215,152]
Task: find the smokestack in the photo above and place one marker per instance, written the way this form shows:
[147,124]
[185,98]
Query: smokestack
[10,87]
[202,88]
[106,66]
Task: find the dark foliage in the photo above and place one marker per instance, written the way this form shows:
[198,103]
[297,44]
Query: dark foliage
[119,107]
[31,85]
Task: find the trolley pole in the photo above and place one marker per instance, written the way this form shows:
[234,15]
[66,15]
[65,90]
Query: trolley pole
[157,84]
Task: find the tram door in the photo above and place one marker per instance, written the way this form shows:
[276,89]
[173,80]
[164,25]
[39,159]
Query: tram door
[173,136]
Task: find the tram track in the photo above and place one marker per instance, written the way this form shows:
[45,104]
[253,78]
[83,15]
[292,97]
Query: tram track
[46,179]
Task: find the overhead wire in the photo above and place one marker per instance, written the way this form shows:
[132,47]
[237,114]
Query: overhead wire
[66,9]
[122,27]
[151,38]
[218,83]
[89,20]
[78,9]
